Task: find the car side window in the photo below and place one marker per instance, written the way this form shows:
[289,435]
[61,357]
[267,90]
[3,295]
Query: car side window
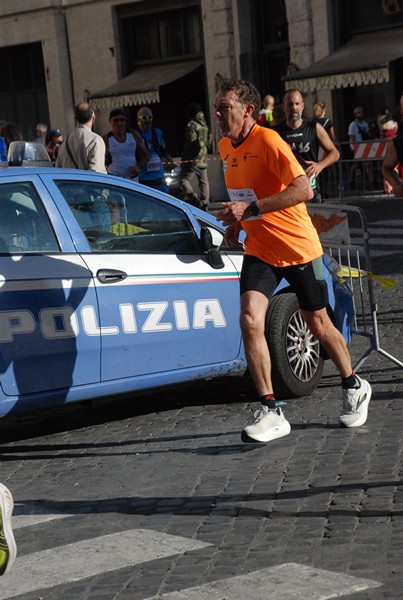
[24,224]
[116,219]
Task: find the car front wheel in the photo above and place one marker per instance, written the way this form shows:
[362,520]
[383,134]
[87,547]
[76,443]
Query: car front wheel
[295,353]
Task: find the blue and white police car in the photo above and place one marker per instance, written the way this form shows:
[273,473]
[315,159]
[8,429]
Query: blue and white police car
[111,288]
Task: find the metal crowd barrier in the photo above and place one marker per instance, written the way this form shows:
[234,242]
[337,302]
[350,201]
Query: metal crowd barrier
[344,236]
[357,172]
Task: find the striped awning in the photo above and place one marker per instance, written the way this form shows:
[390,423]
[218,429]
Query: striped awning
[364,60]
[142,86]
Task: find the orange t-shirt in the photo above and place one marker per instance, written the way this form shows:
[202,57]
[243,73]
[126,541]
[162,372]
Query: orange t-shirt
[263,164]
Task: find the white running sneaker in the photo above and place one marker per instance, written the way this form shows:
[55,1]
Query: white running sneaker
[8,548]
[355,405]
[268,424]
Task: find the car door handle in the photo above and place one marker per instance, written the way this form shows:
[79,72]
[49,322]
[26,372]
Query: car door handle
[110,275]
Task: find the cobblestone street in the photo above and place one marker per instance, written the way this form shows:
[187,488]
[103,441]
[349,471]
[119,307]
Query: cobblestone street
[157,497]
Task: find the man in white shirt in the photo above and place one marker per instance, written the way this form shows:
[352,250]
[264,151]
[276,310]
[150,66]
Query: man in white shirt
[358,131]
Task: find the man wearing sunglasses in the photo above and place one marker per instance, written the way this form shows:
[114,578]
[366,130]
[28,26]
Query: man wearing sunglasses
[152,174]
[126,153]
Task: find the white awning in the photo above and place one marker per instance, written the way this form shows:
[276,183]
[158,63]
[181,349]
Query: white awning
[142,86]
[364,60]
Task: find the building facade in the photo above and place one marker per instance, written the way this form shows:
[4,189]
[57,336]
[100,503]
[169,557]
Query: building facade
[167,53]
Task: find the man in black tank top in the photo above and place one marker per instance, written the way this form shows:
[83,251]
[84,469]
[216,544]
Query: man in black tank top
[392,166]
[305,139]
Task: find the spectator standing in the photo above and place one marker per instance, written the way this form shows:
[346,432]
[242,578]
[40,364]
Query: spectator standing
[125,150]
[153,173]
[11,132]
[399,117]
[281,241]
[387,125]
[8,548]
[391,166]
[40,133]
[319,111]
[305,139]
[358,131]
[265,116]
[388,130]
[83,149]
[194,157]
[53,142]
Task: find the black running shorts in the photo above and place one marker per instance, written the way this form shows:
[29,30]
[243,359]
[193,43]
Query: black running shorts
[306,280]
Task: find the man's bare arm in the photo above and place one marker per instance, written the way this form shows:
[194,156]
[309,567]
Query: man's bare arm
[143,155]
[298,191]
[331,154]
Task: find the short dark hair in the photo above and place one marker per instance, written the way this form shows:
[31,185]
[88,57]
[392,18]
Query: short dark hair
[12,132]
[246,91]
[83,112]
[293,91]
[117,112]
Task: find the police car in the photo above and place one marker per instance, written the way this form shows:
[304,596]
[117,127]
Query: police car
[112,288]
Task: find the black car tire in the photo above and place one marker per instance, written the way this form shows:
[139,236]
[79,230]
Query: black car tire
[297,364]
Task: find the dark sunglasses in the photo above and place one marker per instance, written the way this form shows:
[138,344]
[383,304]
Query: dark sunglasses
[145,118]
[119,120]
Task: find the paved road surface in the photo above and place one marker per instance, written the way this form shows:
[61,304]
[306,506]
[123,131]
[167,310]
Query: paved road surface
[158,498]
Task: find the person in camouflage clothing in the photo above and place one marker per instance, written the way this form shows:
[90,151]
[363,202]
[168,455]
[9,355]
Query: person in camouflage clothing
[194,157]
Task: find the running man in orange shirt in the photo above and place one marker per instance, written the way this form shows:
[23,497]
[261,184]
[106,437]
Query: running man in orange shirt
[268,190]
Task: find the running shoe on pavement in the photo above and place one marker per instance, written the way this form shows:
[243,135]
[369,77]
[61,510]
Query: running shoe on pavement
[268,424]
[355,405]
[8,548]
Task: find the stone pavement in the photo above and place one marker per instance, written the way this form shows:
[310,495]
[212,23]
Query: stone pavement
[172,464]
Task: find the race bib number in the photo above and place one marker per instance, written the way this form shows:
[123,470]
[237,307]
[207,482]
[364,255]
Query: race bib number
[154,164]
[245,195]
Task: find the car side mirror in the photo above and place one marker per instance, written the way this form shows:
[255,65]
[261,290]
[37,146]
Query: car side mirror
[211,240]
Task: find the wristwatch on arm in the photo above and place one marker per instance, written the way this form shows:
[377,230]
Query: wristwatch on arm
[253,209]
